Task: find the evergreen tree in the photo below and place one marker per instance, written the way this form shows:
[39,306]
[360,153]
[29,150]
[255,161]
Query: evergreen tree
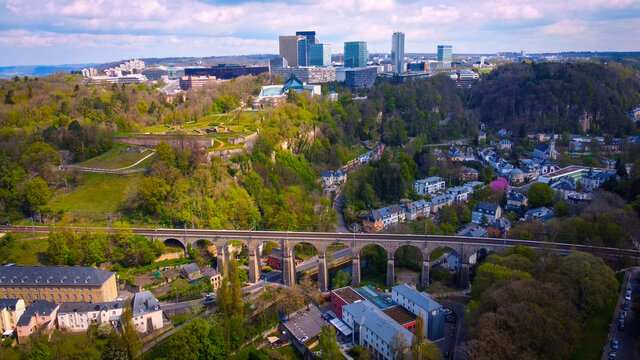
[128,333]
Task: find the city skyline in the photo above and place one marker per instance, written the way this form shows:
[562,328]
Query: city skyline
[74,31]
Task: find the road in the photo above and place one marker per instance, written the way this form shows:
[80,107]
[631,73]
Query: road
[626,338]
[314,263]
[341,227]
[346,238]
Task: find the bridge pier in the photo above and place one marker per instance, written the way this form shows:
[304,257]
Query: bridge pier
[463,277]
[323,274]
[355,270]
[254,265]
[426,266]
[391,278]
[288,266]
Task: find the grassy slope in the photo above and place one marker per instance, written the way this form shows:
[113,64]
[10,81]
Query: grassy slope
[24,252]
[114,158]
[96,196]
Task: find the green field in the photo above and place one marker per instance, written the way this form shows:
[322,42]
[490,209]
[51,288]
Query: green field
[245,124]
[24,249]
[96,196]
[115,158]
[290,352]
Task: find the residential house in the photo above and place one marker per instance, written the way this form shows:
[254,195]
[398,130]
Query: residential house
[459,193]
[482,137]
[421,304]
[485,212]
[472,185]
[503,132]
[372,222]
[439,202]
[530,172]
[468,174]
[542,213]
[366,157]
[430,185]
[10,312]
[78,316]
[579,148]
[504,144]
[39,316]
[327,178]
[472,230]
[147,315]
[515,201]
[547,167]
[339,177]
[564,186]
[275,258]
[594,179]
[516,176]
[416,209]
[499,228]
[214,276]
[191,272]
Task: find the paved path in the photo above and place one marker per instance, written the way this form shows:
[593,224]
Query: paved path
[123,170]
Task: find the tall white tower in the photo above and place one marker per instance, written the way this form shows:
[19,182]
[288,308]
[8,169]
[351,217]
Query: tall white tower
[397,52]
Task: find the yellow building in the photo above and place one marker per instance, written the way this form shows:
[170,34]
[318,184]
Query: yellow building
[10,312]
[57,284]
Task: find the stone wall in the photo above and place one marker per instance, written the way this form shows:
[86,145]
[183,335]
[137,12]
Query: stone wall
[178,142]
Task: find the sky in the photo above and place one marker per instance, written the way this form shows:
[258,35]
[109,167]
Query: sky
[47,32]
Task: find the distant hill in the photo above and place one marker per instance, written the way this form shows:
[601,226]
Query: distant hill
[37,70]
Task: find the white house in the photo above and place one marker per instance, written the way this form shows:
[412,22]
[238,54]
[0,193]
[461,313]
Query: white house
[459,193]
[430,185]
[77,316]
[147,315]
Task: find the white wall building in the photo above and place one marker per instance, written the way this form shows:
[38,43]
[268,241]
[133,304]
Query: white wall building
[430,185]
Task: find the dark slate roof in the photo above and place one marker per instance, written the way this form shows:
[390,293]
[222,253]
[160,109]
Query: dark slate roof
[50,275]
[190,268]
[374,216]
[8,303]
[71,307]
[209,271]
[544,147]
[501,224]
[516,196]
[37,308]
[144,302]
[486,207]
[276,253]
[326,174]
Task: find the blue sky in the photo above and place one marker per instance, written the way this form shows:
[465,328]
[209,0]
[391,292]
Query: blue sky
[85,31]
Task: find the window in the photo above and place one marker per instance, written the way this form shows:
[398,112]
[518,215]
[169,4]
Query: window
[36,296]
[75,297]
[67,296]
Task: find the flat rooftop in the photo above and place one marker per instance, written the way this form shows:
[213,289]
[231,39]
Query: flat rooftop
[377,298]
[400,315]
[348,294]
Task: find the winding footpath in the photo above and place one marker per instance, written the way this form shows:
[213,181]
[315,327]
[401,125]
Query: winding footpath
[122,170]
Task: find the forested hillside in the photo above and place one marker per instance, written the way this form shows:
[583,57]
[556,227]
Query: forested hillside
[573,97]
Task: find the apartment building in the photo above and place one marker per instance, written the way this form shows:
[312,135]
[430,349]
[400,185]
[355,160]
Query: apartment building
[147,315]
[57,284]
[421,304]
[430,185]
[10,312]
[77,316]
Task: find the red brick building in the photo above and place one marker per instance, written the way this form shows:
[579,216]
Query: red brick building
[341,297]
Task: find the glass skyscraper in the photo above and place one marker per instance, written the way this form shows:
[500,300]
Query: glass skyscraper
[355,54]
[320,55]
[397,52]
[305,40]
[444,55]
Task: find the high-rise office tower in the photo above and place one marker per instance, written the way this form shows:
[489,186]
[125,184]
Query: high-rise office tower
[444,55]
[289,49]
[305,40]
[397,52]
[320,55]
[355,54]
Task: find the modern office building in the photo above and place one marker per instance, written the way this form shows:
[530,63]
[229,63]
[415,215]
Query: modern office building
[57,284]
[397,52]
[355,54]
[420,304]
[308,74]
[124,79]
[320,55]
[444,55]
[196,82]
[155,73]
[357,78]
[278,63]
[305,40]
[289,49]
[227,71]
[175,73]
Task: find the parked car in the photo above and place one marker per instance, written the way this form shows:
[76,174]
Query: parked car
[615,345]
[446,310]
[625,306]
[627,296]
[621,325]
[304,338]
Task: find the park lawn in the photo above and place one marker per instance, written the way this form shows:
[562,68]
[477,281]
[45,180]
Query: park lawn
[96,196]
[290,352]
[114,158]
[29,252]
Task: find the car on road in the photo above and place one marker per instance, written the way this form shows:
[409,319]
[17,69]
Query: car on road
[627,296]
[304,338]
[625,306]
[621,325]
[615,345]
